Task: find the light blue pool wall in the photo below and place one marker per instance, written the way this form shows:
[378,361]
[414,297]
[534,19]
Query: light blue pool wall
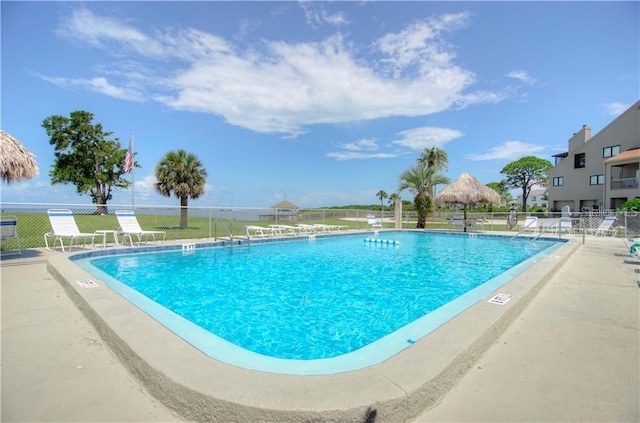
[371,354]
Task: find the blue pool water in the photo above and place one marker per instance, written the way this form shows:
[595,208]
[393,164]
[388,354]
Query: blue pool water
[317,299]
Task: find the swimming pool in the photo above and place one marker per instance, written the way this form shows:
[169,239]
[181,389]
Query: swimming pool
[316,307]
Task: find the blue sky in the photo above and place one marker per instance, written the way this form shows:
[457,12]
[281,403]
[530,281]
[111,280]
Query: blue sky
[324,103]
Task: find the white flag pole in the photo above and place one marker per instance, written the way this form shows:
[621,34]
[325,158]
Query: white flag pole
[133,184]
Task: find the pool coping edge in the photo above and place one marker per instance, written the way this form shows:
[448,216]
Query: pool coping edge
[384,387]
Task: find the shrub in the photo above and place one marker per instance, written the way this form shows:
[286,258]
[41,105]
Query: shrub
[631,205]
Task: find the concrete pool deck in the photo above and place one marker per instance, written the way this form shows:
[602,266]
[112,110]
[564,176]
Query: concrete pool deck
[569,352]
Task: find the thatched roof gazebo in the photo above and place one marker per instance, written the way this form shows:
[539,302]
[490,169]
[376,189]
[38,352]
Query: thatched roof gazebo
[16,162]
[467,190]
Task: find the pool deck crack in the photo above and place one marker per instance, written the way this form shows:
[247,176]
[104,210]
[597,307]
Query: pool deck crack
[406,394]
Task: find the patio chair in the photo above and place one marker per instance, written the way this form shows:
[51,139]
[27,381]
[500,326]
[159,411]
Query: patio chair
[129,227]
[330,228]
[375,223]
[306,229]
[324,228]
[633,246]
[530,225]
[8,231]
[565,225]
[63,225]
[605,227]
[286,229]
[261,231]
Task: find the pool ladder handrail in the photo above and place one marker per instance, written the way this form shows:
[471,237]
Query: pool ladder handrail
[227,229]
[540,231]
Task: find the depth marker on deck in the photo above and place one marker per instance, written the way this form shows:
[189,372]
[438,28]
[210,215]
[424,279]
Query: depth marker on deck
[501,299]
[87,283]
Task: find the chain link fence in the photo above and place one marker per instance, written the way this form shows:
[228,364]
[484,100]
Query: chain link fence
[215,222]
[201,222]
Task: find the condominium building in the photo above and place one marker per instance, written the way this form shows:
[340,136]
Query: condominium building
[536,198]
[599,172]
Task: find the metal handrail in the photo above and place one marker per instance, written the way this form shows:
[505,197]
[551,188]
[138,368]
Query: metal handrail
[227,230]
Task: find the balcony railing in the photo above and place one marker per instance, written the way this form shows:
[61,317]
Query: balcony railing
[625,183]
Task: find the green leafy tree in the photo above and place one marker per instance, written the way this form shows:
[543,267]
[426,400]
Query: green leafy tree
[419,180]
[183,174]
[382,195]
[525,173]
[501,188]
[86,157]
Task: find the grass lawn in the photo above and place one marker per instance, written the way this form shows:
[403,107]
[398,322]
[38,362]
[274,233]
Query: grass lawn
[33,225]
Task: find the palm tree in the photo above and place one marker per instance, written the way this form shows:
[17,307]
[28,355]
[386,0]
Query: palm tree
[382,195]
[182,173]
[393,198]
[434,157]
[420,180]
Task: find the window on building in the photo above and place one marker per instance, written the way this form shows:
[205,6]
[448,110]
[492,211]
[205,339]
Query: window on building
[611,151]
[558,181]
[579,160]
[596,180]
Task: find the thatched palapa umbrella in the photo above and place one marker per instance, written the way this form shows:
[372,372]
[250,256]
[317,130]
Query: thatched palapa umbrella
[16,162]
[467,190]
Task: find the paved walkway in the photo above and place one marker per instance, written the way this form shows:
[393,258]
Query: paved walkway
[572,356]
[55,367]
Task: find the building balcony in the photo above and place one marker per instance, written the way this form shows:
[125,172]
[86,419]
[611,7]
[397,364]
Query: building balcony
[625,183]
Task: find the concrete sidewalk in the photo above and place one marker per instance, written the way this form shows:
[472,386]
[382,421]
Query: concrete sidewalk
[573,355]
[55,366]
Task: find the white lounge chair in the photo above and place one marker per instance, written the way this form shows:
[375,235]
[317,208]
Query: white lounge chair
[374,222]
[330,228]
[323,228]
[605,227]
[307,229]
[286,229]
[261,231]
[8,231]
[530,225]
[563,224]
[63,225]
[129,227]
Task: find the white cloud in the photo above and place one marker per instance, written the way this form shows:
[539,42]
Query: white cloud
[316,15]
[143,188]
[420,48]
[86,28]
[99,85]
[506,151]
[280,87]
[363,144]
[359,155]
[616,108]
[522,76]
[426,137]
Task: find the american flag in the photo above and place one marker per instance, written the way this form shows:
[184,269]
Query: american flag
[128,158]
